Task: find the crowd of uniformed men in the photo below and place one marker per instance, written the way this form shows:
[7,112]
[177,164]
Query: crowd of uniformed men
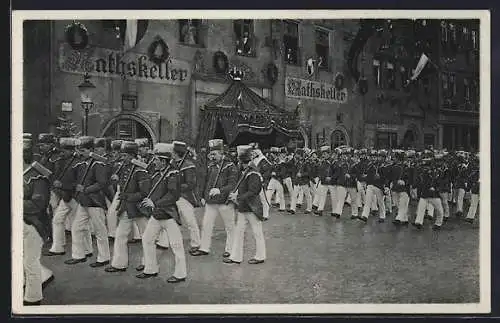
[122,192]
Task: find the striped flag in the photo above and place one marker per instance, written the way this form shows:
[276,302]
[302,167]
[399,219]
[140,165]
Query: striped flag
[134,32]
[420,66]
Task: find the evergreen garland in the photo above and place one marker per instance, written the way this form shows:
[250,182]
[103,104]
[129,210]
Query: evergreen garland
[66,127]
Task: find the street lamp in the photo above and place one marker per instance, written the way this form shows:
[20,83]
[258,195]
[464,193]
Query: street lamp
[86,89]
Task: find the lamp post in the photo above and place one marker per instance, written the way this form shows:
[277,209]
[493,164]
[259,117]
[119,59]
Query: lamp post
[86,89]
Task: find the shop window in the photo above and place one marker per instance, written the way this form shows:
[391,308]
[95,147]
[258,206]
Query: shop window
[291,42]
[190,31]
[322,48]
[386,140]
[338,139]
[377,73]
[390,76]
[475,39]
[444,33]
[465,37]
[244,34]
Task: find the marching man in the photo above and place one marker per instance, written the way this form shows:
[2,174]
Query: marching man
[91,178]
[36,224]
[265,168]
[245,195]
[160,204]
[221,179]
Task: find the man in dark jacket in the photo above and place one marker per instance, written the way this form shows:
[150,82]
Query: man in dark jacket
[302,176]
[220,181]
[264,166]
[473,183]
[402,179]
[376,185]
[36,195]
[275,185]
[249,209]
[133,185]
[162,207]
[427,183]
[91,176]
[116,161]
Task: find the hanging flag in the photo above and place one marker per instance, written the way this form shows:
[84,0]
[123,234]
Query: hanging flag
[420,66]
[133,33]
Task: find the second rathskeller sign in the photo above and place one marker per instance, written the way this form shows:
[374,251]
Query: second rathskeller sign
[111,63]
[305,89]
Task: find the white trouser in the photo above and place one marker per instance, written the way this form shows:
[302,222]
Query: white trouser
[54,200]
[32,251]
[430,209]
[403,201]
[361,193]
[394,199]
[120,248]
[374,201]
[239,237]
[298,192]
[343,192]
[318,192]
[136,232]
[422,204]
[445,196]
[289,186]
[374,193]
[314,186]
[460,200]
[149,237]
[61,212]
[275,187]
[162,239]
[265,204]
[186,211]
[388,201]
[227,213]
[474,201]
[97,216]
[111,217]
[323,192]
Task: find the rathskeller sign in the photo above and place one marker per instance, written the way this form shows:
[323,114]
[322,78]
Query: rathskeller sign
[105,62]
[304,89]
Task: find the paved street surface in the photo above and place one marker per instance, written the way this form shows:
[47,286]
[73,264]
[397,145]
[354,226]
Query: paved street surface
[310,260]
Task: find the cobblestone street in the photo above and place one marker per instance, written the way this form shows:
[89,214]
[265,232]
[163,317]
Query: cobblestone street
[309,260]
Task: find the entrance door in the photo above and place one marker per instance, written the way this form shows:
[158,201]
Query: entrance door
[338,139]
[127,129]
[409,139]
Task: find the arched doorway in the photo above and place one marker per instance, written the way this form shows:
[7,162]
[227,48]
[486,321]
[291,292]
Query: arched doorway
[410,138]
[129,127]
[338,138]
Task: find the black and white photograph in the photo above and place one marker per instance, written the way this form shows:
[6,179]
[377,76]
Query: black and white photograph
[204,162]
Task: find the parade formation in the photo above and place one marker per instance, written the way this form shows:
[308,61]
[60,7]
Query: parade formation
[121,192]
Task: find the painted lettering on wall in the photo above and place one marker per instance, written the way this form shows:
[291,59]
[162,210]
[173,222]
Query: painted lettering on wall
[105,62]
[304,89]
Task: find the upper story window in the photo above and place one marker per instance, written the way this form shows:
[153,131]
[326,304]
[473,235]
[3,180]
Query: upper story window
[377,75]
[291,42]
[475,39]
[467,90]
[244,34]
[189,31]
[322,48]
[449,86]
[444,32]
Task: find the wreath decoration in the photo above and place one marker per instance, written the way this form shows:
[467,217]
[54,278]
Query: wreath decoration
[165,54]
[218,56]
[74,30]
[339,81]
[272,73]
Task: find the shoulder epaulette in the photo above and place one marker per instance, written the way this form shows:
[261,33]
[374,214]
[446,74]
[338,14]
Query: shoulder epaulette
[256,173]
[228,165]
[187,167]
[172,172]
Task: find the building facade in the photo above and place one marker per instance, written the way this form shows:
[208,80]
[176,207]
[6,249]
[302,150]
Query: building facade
[297,64]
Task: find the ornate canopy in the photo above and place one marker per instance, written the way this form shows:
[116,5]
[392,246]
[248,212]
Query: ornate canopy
[240,110]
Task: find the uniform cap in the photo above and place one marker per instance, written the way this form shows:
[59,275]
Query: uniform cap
[180,147]
[275,149]
[86,142]
[27,135]
[130,147]
[216,144]
[244,153]
[116,144]
[142,142]
[324,148]
[46,138]
[163,149]
[410,153]
[68,142]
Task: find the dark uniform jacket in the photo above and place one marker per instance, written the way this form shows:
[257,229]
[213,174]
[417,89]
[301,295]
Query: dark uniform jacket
[473,179]
[225,183]
[324,171]
[63,171]
[427,182]
[136,190]
[265,168]
[401,172]
[187,181]
[444,180]
[36,196]
[248,193]
[94,182]
[165,196]
[375,175]
[302,168]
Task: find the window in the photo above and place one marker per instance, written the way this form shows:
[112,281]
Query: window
[291,42]
[453,34]
[453,85]
[243,31]
[466,90]
[475,39]
[322,48]
[391,76]
[386,140]
[429,139]
[189,31]
[449,85]
[377,73]
[338,139]
[444,32]
[465,37]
